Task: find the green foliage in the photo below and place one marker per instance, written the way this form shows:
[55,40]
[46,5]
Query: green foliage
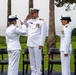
[73,38]
[61,3]
[46,39]
[23,39]
[57,38]
[70,1]
[74,32]
[2,40]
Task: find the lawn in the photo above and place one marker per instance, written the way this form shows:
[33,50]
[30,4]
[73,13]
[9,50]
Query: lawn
[56,67]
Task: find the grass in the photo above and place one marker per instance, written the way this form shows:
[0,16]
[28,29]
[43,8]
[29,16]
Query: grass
[23,45]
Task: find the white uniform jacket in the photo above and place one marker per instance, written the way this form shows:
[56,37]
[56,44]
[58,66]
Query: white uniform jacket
[37,31]
[65,42]
[12,37]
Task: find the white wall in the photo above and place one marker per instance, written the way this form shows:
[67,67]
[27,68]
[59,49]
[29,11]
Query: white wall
[20,8]
[3,15]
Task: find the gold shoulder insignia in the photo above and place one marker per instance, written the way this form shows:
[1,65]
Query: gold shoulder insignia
[37,25]
[41,19]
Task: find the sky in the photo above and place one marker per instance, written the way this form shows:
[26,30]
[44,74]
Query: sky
[20,8]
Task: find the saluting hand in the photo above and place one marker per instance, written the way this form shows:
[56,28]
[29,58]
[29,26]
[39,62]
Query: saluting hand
[27,17]
[21,22]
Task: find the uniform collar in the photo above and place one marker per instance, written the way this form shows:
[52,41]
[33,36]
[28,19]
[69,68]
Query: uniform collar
[13,25]
[66,25]
[36,19]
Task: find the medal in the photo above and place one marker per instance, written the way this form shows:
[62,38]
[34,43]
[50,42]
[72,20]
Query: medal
[37,25]
[62,32]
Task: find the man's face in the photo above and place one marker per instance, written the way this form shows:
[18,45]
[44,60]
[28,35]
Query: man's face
[35,15]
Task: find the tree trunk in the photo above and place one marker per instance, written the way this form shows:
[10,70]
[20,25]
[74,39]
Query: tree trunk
[30,4]
[51,41]
[9,9]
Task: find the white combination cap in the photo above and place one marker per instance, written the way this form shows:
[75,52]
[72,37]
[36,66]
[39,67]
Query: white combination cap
[34,9]
[12,17]
[66,17]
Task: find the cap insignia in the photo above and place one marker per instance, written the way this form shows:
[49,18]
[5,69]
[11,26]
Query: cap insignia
[41,19]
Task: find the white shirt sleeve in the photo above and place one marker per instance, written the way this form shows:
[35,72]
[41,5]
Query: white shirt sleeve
[43,33]
[26,23]
[22,31]
[67,40]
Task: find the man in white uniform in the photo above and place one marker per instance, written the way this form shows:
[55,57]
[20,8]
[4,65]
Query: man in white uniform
[37,30]
[65,45]
[13,45]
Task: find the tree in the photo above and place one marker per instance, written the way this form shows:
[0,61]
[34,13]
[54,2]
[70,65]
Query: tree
[66,3]
[51,41]
[9,9]
[74,32]
[30,4]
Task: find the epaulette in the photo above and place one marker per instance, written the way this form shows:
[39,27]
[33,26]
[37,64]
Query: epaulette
[41,19]
[66,26]
[16,26]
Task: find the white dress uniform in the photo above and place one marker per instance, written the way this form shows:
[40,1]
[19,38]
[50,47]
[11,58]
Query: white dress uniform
[65,48]
[36,36]
[13,46]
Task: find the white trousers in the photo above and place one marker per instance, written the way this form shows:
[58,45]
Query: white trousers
[13,57]
[65,64]
[35,60]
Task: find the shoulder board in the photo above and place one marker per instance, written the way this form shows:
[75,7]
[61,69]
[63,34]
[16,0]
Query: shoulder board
[41,19]
[16,26]
[66,26]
